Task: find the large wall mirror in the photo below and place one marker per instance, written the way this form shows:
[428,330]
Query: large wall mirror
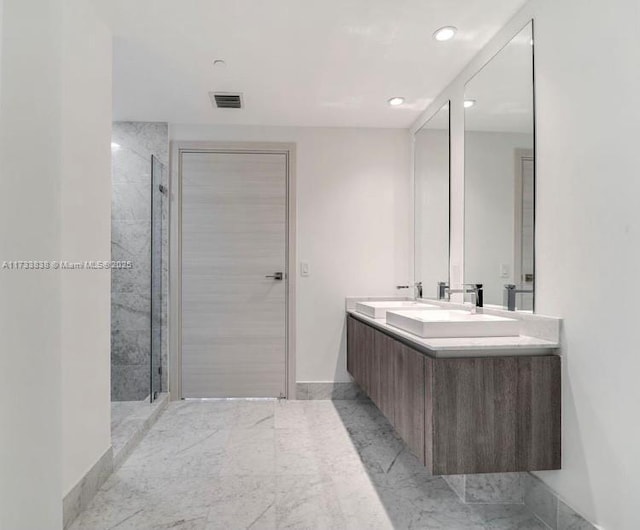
[431,192]
[500,176]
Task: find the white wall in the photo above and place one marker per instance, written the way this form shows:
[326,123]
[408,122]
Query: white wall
[353,202]
[30,433]
[55,116]
[85,235]
[588,236]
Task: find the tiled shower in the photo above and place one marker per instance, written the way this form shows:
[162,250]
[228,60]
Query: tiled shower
[139,243]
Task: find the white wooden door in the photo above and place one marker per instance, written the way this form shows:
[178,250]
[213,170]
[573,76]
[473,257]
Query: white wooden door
[234,233]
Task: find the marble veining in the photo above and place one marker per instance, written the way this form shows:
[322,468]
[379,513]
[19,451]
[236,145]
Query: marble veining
[128,381]
[494,488]
[315,464]
[131,241]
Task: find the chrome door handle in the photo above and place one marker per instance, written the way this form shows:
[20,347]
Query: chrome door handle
[276,276]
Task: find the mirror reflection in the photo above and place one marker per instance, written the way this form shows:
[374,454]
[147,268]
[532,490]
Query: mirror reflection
[431,181]
[500,176]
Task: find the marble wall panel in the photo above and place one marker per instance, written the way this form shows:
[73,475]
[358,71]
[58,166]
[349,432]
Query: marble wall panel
[133,145]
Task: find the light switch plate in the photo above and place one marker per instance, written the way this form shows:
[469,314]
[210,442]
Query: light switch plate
[505,271]
[304,268]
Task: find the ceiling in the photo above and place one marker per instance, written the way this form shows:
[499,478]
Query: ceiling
[296,62]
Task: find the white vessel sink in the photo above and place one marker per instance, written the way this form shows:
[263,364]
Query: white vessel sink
[379,309]
[452,324]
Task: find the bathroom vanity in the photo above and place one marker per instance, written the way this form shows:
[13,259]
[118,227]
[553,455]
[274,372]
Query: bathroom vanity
[464,404]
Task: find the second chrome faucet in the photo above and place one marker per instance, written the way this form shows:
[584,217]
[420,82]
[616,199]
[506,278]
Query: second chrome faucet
[445,291]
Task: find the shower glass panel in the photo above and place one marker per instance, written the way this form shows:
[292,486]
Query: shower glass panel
[158,191]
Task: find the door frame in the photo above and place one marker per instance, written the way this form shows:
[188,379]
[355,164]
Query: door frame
[520,156]
[178,148]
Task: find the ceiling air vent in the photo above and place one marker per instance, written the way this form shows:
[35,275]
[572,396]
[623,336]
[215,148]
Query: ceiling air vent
[226,100]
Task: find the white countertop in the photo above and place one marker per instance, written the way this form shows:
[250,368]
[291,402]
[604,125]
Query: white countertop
[476,346]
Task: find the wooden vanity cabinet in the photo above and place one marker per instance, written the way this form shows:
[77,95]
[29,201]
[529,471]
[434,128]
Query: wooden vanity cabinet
[409,396]
[377,362]
[359,352]
[462,415]
[384,394]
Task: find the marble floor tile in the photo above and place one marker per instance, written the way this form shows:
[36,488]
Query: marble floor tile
[228,464]
[198,415]
[254,414]
[361,416]
[568,519]
[426,504]
[180,454]
[290,414]
[337,453]
[121,410]
[507,517]
[296,453]
[133,500]
[360,502]
[541,501]
[379,449]
[322,415]
[495,488]
[308,502]
[243,502]
[250,452]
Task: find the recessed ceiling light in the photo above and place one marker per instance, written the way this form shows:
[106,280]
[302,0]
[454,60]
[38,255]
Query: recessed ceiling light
[468,103]
[219,63]
[445,33]
[394,102]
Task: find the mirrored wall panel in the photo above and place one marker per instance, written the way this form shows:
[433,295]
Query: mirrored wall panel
[500,176]
[431,170]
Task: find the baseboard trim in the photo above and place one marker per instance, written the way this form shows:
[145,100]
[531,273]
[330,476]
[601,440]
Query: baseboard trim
[83,492]
[81,495]
[550,509]
[519,488]
[140,425]
[329,390]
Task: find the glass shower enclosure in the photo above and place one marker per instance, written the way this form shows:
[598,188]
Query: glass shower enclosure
[158,274]
[139,218]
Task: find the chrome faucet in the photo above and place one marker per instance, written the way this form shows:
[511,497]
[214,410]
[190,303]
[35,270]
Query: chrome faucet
[417,286]
[476,289]
[442,290]
[511,291]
